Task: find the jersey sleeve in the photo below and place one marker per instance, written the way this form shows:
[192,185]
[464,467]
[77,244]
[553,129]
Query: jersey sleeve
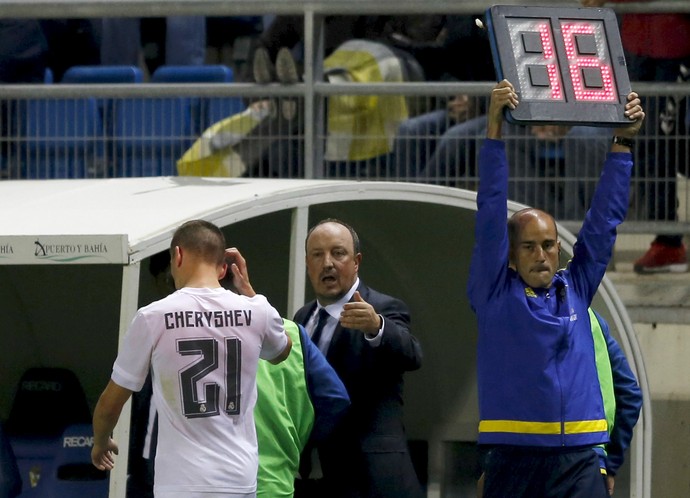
[134,359]
[275,338]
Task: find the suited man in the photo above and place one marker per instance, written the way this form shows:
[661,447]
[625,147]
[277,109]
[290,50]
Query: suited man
[365,337]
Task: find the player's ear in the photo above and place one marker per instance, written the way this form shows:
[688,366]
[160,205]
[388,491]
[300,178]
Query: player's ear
[222,271]
[176,256]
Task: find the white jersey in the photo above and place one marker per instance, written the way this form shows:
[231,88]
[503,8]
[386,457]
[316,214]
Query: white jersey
[203,346]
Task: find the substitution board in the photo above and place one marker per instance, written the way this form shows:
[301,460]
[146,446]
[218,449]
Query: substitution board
[566,64]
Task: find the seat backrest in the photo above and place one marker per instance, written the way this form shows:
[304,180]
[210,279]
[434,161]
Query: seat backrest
[35,457]
[150,135]
[205,111]
[72,474]
[103,74]
[152,123]
[51,121]
[206,73]
[46,401]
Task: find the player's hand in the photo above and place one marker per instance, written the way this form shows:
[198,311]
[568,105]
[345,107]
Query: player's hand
[103,457]
[634,111]
[503,95]
[610,484]
[237,266]
[358,314]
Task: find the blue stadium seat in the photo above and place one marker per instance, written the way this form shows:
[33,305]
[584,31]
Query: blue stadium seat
[150,135]
[205,111]
[47,401]
[206,73]
[71,474]
[63,137]
[103,74]
[119,74]
[35,457]
[10,478]
[59,467]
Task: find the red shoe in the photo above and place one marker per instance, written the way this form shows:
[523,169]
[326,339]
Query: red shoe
[662,258]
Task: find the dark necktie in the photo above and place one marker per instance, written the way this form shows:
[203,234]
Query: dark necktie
[320,324]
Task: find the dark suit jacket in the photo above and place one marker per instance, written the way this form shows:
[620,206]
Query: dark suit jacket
[367,455]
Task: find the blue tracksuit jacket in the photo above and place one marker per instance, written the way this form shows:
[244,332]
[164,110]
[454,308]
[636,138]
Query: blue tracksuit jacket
[537,376]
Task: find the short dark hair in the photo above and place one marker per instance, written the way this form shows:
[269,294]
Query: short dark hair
[355,238]
[201,237]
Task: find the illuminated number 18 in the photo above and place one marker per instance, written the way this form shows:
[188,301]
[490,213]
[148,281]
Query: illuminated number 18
[193,404]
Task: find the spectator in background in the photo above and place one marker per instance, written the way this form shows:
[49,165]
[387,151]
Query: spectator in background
[418,137]
[657,47]
[360,49]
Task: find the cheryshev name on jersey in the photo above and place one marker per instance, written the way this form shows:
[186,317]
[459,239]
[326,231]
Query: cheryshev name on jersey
[216,319]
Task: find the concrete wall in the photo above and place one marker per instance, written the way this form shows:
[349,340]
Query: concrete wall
[666,349]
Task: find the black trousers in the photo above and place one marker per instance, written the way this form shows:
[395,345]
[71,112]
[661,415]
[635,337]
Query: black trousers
[517,472]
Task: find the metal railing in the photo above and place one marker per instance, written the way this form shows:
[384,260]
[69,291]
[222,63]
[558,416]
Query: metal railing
[555,172]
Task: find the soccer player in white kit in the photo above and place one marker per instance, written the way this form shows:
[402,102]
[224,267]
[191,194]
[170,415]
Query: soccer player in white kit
[203,344]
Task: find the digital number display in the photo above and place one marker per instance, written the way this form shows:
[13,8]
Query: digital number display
[566,64]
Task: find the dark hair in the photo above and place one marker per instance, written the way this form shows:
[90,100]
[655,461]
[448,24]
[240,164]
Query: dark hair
[355,238]
[201,237]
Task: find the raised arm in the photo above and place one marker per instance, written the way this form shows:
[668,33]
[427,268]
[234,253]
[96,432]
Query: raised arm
[609,207]
[490,254]
[239,275]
